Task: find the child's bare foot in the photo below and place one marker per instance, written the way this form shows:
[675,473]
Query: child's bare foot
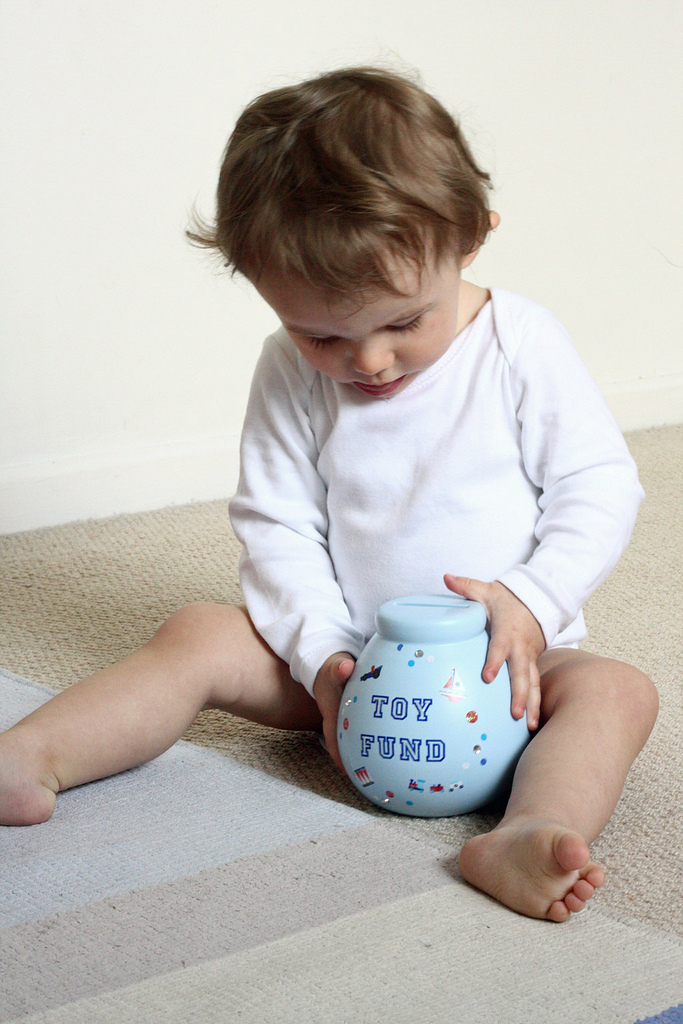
[537,868]
[25,798]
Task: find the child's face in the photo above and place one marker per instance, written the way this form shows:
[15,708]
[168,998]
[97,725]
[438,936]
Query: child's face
[378,347]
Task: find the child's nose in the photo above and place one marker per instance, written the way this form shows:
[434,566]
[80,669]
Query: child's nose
[370,358]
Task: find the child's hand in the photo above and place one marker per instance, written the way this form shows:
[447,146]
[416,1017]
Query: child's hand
[327,690]
[515,636]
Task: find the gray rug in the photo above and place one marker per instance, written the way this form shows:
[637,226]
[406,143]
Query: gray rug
[198,889]
[185,812]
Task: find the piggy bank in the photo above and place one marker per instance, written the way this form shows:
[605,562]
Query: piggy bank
[419,730]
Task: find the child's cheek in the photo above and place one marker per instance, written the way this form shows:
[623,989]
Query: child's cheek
[327,363]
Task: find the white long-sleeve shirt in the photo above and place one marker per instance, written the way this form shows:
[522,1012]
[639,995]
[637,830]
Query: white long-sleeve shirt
[500,461]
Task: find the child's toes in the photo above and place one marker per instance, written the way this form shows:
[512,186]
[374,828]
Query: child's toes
[558,911]
[595,876]
[573,903]
[571,851]
[583,890]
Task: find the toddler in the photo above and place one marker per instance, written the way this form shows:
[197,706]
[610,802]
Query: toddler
[406,430]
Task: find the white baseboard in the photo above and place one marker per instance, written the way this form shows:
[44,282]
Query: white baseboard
[49,492]
[652,402]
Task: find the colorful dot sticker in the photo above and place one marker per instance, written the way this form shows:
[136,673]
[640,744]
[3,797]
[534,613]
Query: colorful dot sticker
[411,662]
[472,717]
[346,723]
[419,654]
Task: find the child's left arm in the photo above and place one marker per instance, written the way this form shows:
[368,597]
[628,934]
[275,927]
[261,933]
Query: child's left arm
[588,496]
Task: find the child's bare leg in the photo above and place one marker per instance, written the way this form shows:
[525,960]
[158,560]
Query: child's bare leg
[204,656]
[598,714]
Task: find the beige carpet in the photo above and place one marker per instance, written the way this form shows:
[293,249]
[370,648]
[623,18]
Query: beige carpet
[77,597]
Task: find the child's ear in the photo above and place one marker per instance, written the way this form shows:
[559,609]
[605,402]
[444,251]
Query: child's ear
[494,221]
[469,258]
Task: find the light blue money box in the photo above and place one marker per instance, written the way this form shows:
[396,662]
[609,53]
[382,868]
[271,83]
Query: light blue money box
[419,730]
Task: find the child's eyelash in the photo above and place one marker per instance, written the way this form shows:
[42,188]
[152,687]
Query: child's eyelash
[321,342]
[409,326]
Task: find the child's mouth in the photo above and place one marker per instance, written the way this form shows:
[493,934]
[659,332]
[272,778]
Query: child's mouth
[379,390]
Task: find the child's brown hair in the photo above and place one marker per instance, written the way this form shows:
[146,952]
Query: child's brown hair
[337,179]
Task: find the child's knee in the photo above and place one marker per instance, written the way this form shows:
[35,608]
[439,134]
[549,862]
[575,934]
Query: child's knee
[615,687]
[632,694]
[197,627]
[645,696]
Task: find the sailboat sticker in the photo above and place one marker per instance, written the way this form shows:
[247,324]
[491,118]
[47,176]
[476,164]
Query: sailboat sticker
[453,689]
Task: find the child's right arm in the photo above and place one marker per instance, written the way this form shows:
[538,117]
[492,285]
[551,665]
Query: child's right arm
[280,516]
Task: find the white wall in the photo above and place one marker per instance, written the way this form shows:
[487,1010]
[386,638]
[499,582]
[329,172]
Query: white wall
[125,359]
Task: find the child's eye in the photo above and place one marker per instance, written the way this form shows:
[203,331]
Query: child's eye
[316,342]
[319,342]
[411,326]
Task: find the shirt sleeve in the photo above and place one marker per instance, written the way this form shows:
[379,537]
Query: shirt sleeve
[574,452]
[279,514]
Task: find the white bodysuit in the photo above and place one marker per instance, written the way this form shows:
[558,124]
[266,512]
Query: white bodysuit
[500,461]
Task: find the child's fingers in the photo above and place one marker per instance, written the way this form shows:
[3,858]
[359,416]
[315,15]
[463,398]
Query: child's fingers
[533,704]
[525,683]
[478,590]
[520,684]
[498,652]
[516,637]
[344,669]
[328,693]
[473,590]
[330,734]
